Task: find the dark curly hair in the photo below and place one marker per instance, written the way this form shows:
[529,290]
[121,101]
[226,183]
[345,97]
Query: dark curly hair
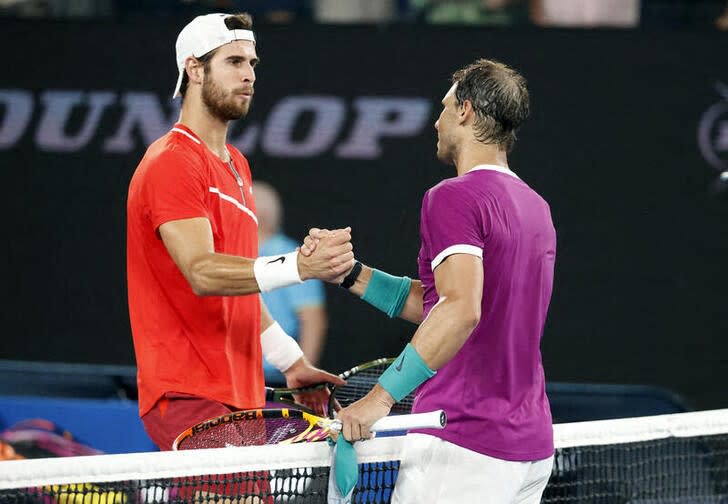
[499,98]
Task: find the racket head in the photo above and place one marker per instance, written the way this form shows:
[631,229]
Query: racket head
[359,381]
[254,428]
[286,398]
[280,394]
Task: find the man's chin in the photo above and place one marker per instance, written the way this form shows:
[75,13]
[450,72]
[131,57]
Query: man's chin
[244,110]
[237,113]
[444,158]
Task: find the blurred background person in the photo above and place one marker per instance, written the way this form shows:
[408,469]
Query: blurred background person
[586,13]
[354,11]
[477,12]
[299,309]
[722,21]
[57,8]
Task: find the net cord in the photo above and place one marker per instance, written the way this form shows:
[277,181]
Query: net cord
[157,465]
[632,430]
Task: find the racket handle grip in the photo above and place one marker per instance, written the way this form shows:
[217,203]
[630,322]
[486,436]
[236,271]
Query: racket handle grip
[431,420]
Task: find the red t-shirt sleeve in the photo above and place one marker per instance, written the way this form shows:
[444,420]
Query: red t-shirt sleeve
[175,187]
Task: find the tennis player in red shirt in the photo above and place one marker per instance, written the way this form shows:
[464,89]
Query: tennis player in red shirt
[200,329]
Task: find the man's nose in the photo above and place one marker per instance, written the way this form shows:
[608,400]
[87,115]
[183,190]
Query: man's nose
[248,74]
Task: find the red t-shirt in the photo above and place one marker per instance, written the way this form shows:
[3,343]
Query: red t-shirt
[205,346]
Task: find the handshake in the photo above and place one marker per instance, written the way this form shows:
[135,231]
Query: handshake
[326,255]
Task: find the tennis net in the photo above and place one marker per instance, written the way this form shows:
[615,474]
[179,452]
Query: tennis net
[681,458]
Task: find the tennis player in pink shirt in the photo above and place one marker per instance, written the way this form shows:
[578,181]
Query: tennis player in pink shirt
[486,267]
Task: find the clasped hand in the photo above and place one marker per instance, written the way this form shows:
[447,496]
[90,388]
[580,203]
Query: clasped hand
[326,255]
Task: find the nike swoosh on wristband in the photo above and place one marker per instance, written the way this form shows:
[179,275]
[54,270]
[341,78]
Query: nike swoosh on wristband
[398,367]
[282,259]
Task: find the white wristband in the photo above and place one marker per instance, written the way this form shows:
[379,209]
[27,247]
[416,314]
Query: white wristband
[272,272]
[279,348]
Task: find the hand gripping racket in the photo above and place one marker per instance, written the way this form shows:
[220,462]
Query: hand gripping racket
[286,426]
[359,381]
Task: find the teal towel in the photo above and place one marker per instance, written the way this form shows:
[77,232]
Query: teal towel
[344,472]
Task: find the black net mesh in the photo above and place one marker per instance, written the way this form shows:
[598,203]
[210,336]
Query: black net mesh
[295,485]
[670,470]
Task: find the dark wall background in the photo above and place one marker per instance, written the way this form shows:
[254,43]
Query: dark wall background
[642,284]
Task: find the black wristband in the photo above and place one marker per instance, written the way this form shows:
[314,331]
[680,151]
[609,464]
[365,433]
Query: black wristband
[352,276]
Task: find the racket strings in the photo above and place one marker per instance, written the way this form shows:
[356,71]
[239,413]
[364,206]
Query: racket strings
[359,384]
[249,432]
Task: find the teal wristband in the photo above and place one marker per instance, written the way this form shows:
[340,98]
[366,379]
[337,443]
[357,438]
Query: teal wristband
[405,374]
[387,292]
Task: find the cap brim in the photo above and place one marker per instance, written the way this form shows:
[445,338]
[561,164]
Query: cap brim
[179,84]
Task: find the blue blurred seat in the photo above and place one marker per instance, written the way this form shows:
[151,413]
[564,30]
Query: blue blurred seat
[109,425]
[580,402]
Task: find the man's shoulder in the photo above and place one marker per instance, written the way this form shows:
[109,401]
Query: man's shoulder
[454,188]
[176,145]
[171,152]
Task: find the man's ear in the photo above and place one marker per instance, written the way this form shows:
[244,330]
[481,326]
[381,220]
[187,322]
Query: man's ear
[465,111]
[195,70]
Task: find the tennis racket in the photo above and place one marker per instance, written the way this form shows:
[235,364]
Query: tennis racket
[359,381]
[286,426]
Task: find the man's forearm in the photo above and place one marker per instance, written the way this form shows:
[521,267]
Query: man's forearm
[190,244]
[222,275]
[412,310]
[214,274]
[413,307]
[445,331]
[279,348]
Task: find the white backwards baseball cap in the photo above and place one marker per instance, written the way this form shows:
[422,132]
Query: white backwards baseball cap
[202,35]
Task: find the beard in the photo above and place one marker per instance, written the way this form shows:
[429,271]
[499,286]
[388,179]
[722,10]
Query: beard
[444,152]
[223,104]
